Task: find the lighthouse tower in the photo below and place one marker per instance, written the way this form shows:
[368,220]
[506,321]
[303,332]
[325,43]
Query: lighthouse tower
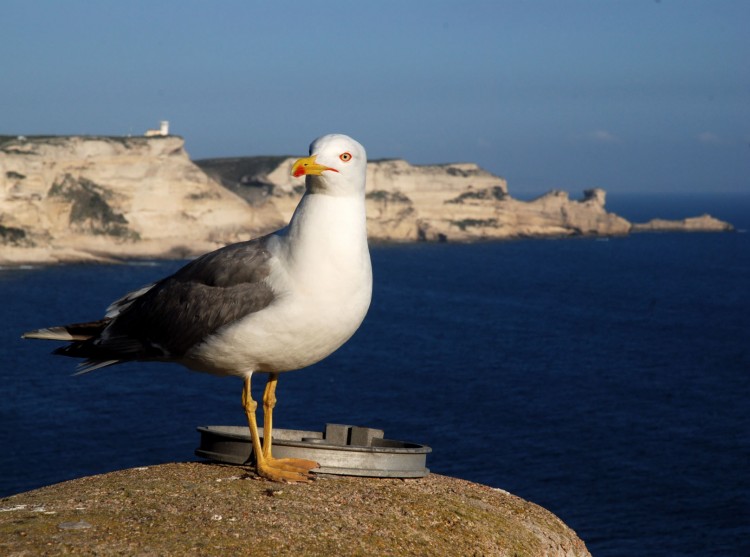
[162,131]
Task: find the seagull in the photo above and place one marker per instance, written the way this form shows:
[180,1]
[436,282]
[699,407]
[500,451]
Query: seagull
[280,302]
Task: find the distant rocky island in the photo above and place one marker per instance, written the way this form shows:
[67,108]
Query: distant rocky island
[90,198]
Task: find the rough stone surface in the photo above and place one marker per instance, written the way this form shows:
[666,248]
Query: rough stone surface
[208,509]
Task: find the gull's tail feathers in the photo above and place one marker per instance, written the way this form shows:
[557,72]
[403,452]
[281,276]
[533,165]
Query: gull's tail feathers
[74,332]
[82,336]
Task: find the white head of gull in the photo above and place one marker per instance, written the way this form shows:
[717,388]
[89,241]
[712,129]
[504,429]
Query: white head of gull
[277,303]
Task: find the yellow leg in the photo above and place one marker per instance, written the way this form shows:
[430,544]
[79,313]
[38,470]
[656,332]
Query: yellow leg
[269,402]
[268,468]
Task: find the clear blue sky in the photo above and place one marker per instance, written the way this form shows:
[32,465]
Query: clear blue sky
[632,95]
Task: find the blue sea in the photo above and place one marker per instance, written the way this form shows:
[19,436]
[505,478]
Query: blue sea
[607,380]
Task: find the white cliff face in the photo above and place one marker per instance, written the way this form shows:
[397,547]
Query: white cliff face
[407,202]
[457,202]
[75,197]
[441,181]
[703,223]
[98,198]
[398,175]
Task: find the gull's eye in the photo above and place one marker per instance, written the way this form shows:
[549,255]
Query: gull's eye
[346,157]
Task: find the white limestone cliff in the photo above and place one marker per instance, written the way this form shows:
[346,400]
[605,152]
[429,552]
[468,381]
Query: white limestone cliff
[106,198]
[88,198]
[703,223]
[456,202]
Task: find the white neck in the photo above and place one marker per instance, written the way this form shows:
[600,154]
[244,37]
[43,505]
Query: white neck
[332,228]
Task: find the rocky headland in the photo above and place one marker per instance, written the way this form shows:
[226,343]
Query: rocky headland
[86,198]
[703,223]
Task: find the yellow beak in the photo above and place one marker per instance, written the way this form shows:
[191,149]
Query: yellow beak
[308,165]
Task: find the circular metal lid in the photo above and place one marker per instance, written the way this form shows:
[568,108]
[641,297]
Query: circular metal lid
[340,450]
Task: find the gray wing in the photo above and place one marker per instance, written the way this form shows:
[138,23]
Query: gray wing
[165,320]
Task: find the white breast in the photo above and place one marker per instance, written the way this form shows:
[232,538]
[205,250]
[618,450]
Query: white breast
[322,278]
